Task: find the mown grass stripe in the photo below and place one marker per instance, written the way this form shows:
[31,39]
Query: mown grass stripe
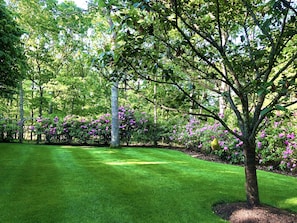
[85,184]
[34,192]
[12,161]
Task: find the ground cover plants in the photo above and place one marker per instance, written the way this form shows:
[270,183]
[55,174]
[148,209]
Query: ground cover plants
[41,183]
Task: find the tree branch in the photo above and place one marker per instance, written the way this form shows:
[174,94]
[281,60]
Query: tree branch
[219,22]
[257,22]
[288,5]
[251,53]
[284,68]
[220,50]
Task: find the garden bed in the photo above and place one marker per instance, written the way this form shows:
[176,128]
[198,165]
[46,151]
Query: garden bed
[241,213]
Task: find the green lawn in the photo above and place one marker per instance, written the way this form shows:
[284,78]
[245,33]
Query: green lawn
[87,184]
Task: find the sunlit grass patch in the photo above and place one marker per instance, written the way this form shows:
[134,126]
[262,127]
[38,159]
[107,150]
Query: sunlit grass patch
[136,163]
[291,201]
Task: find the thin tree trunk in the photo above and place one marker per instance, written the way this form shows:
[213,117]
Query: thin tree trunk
[251,185]
[50,109]
[72,106]
[21,122]
[155,115]
[115,138]
[32,109]
[40,110]
[223,87]
[40,101]
[222,100]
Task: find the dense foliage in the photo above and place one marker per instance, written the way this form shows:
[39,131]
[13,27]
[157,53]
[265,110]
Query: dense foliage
[12,60]
[276,141]
[82,130]
[8,129]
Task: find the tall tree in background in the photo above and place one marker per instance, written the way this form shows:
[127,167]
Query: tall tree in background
[12,59]
[250,46]
[37,18]
[109,59]
[115,130]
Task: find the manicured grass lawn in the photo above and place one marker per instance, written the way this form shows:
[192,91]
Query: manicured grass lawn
[87,184]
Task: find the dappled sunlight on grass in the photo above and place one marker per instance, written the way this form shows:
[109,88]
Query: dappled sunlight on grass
[78,147]
[289,203]
[104,152]
[86,147]
[229,172]
[67,147]
[136,163]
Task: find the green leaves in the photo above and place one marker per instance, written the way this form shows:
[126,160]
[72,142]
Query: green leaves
[263,88]
[265,111]
[12,58]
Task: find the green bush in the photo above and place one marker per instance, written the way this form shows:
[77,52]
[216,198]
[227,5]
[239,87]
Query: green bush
[8,129]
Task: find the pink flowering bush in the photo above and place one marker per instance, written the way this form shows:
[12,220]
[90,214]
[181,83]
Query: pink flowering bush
[128,124]
[276,143]
[198,135]
[146,131]
[76,129]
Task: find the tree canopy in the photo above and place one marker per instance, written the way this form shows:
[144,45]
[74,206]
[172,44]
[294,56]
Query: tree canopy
[12,59]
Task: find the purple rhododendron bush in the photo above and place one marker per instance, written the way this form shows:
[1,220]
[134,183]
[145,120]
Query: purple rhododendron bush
[83,130]
[276,141]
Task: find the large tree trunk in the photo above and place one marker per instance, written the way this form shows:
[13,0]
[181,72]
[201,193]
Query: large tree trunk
[115,130]
[251,185]
[115,136]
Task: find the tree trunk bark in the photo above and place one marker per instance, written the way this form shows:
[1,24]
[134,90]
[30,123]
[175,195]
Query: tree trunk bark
[223,88]
[32,109]
[40,110]
[40,101]
[115,136]
[155,116]
[222,101]
[115,130]
[251,185]
[21,123]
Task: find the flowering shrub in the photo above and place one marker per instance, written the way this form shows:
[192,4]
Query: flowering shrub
[147,132]
[276,142]
[128,124]
[75,129]
[198,136]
